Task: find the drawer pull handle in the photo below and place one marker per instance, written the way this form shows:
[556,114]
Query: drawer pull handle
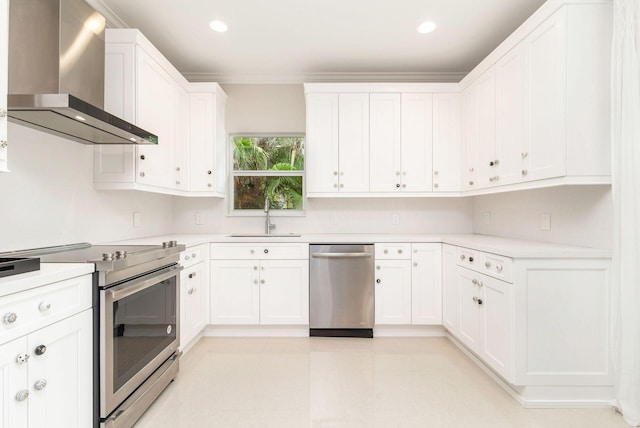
[474,281]
[499,268]
[23,358]
[475,299]
[187,257]
[40,384]
[10,318]
[462,257]
[191,275]
[386,251]
[194,255]
[400,251]
[40,349]
[22,395]
[479,301]
[44,306]
[266,251]
[378,281]
[470,259]
[487,264]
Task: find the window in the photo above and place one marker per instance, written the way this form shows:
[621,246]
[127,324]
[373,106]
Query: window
[267,167]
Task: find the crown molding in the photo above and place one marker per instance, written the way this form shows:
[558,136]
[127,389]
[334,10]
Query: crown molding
[285,78]
[113,20]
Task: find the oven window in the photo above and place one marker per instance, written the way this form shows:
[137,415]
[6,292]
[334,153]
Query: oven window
[144,325]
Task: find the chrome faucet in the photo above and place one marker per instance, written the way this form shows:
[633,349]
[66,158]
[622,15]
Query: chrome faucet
[267,224]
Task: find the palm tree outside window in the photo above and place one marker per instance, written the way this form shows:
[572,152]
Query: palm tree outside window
[267,166]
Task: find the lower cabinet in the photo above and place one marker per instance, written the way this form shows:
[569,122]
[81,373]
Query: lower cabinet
[408,287]
[46,376]
[194,293]
[267,292]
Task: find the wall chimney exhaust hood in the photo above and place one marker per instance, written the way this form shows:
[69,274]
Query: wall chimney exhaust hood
[56,73]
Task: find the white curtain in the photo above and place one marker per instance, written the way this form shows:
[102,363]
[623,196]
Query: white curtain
[626,194]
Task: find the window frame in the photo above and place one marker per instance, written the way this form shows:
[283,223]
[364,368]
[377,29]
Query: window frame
[233,212]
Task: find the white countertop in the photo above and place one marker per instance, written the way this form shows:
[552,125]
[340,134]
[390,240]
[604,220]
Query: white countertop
[48,273]
[515,248]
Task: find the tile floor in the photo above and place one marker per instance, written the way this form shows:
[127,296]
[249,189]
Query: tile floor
[345,383]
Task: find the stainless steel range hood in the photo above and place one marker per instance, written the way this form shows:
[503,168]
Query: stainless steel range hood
[56,73]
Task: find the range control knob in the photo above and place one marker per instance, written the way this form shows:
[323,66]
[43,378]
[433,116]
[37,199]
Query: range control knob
[107,257]
[166,244]
[121,254]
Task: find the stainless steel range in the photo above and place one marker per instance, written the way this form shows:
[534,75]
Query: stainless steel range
[136,332]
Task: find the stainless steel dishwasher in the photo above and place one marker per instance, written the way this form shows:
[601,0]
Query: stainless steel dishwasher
[341,290]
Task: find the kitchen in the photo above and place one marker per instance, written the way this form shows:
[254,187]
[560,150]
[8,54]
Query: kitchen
[57,175]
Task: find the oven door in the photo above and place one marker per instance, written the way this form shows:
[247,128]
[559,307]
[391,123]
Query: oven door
[138,332]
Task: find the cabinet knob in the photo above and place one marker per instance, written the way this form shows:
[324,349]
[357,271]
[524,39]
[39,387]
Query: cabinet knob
[470,259]
[378,281]
[142,174]
[187,257]
[404,185]
[335,172]
[40,349]
[209,172]
[44,306]
[255,268]
[3,113]
[22,358]
[462,257]
[10,318]
[251,251]
[177,182]
[470,169]
[480,284]
[262,281]
[435,172]
[499,268]
[524,172]
[40,384]
[475,299]
[266,251]
[524,154]
[194,255]
[378,267]
[192,275]
[255,281]
[487,264]
[142,157]
[3,144]
[400,251]
[479,301]
[435,185]
[386,251]
[341,185]
[22,395]
[474,281]
[209,185]
[398,185]
[415,264]
[404,172]
[335,185]
[397,172]
[471,183]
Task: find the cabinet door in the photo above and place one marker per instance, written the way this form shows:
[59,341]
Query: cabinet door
[155,111]
[13,379]
[546,57]
[116,163]
[4,54]
[202,138]
[353,135]
[495,347]
[193,303]
[470,138]
[446,142]
[469,309]
[180,148]
[384,173]
[417,142]
[61,379]
[426,284]
[450,289]
[322,143]
[235,293]
[393,292]
[511,93]
[284,292]
[487,129]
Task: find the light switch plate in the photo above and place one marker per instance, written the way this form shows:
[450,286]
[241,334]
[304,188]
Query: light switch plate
[199,219]
[137,219]
[545,221]
[395,219]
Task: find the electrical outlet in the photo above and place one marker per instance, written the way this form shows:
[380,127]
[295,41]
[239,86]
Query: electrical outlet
[395,219]
[137,219]
[199,218]
[486,218]
[545,221]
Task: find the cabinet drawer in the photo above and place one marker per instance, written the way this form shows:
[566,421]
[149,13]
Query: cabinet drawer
[393,251]
[42,306]
[193,255]
[262,251]
[488,263]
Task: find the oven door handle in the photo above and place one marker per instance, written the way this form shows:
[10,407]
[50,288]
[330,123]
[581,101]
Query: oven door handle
[121,291]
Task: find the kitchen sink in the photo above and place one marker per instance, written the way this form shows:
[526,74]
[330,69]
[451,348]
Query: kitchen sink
[264,235]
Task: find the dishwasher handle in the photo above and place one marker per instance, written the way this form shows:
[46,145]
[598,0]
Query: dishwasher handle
[342,255]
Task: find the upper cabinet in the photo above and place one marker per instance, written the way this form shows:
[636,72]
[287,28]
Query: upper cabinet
[142,87]
[379,140]
[4,55]
[536,110]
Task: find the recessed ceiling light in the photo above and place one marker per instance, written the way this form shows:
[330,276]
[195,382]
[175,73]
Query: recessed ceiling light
[80,118]
[426,27]
[218,26]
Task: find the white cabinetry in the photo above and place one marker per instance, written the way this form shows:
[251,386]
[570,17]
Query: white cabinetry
[446,142]
[4,55]
[408,284]
[46,356]
[265,284]
[194,293]
[353,136]
[142,87]
[322,143]
[400,142]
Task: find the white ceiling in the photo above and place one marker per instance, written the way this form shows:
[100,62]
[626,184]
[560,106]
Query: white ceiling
[273,41]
